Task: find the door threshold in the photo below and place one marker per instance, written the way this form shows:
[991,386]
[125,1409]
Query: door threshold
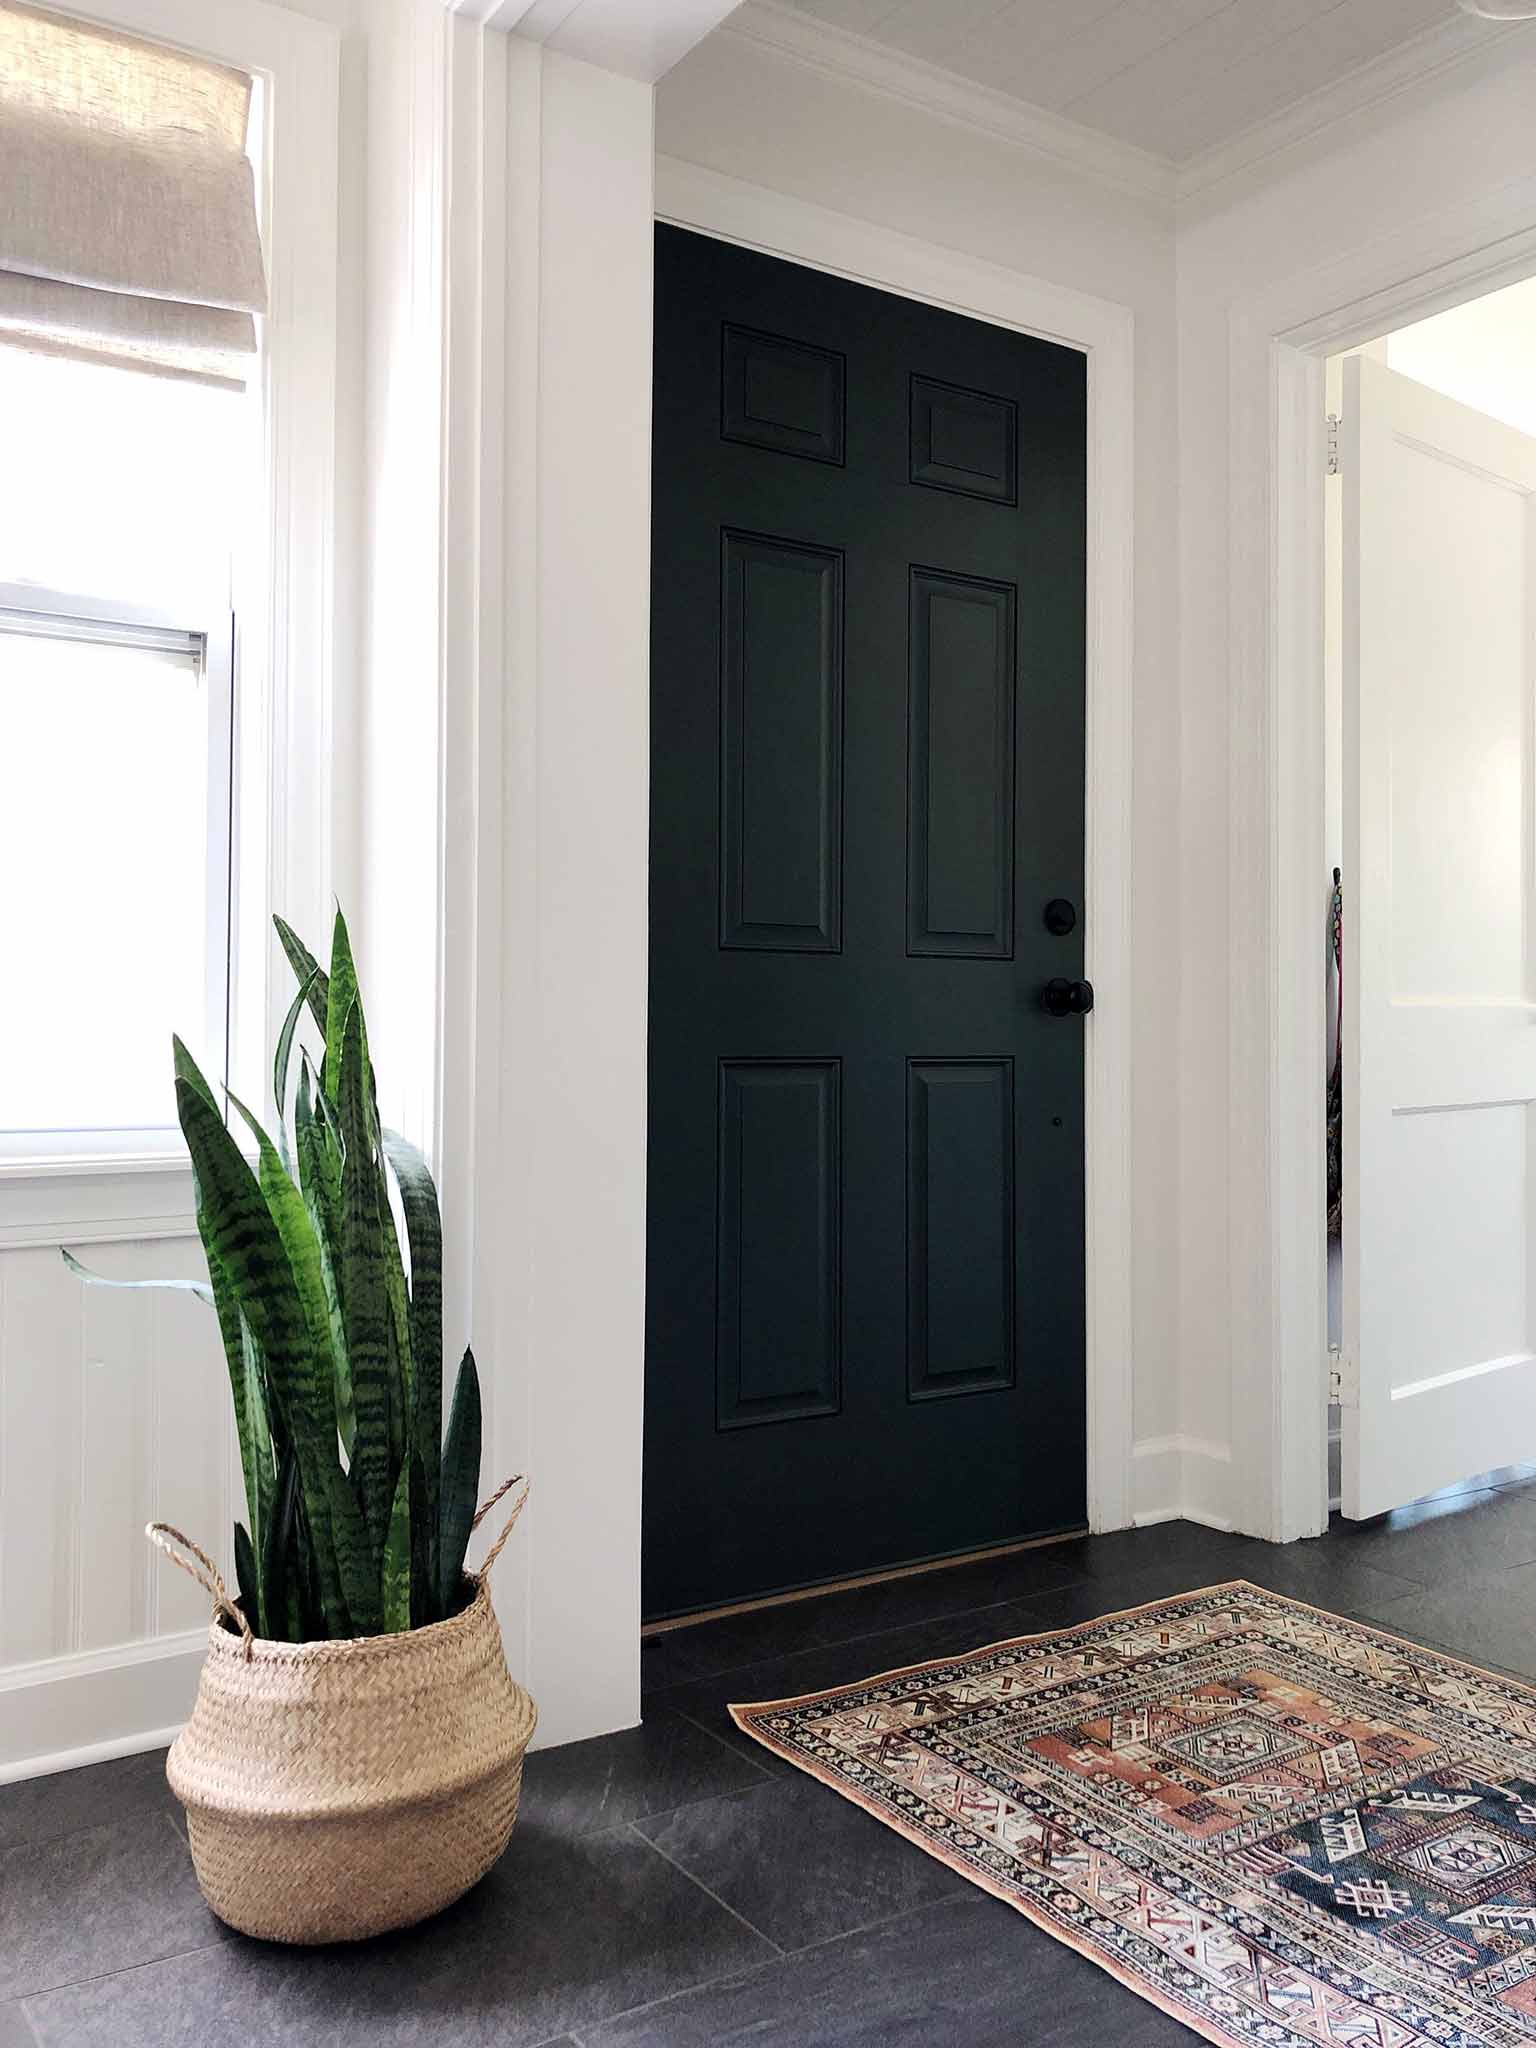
[901,1571]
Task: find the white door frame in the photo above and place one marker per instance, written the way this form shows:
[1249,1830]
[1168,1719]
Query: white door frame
[1279,338]
[688,196]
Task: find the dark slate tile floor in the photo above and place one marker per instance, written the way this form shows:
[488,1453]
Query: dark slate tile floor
[675,1886]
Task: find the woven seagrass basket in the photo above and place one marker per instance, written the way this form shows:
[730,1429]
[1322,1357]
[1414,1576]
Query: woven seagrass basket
[336,1790]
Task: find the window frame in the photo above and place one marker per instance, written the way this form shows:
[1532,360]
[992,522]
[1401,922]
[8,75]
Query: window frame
[282,775]
[206,635]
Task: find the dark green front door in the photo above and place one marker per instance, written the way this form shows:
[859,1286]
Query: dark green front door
[865,1279]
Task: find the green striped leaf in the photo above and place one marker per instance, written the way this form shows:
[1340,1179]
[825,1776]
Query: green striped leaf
[356,1558]
[400,1369]
[341,1000]
[364,1289]
[424,1606]
[424,1235]
[288,1210]
[395,1576]
[266,1434]
[280,1558]
[187,1069]
[239,1233]
[320,1180]
[251,1430]
[307,969]
[248,1579]
[198,1287]
[282,1056]
[460,1485]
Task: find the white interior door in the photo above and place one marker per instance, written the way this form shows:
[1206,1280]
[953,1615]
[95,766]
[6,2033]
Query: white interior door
[1440,990]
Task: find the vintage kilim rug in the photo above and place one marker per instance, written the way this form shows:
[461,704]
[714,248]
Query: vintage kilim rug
[1277,1825]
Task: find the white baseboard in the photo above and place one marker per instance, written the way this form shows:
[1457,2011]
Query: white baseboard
[1223,1523]
[1181,1478]
[65,1711]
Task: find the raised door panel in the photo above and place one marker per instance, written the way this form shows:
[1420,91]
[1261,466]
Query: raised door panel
[781,394]
[964,441]
[781,746]
[960,766]
[778,1334]
[960,1226]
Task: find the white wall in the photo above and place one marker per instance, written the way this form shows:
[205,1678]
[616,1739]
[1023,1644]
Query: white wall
[1452,167]
[738,108]
[115,1409]
[563,1232]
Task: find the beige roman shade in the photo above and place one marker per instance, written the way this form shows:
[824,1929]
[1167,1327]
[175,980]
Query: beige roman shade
[127,206]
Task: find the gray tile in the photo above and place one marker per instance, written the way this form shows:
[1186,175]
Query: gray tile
[14,2030]
[1114,1593]
[97,1900]
[666,1762]
[1489,1621]
[662,1664]
[971,1973]
[38,1808]
[1189,1549]
[1316,1572]
[706,1700]
[1455,1536]
[799,1861]
[561,1935]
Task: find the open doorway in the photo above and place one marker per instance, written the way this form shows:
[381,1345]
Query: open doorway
[1425,902]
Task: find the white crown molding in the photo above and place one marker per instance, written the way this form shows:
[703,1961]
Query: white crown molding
[1459,45]
[1454,51]
[637,38]
[855,60]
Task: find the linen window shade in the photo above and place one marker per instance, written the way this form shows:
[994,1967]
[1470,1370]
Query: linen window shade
[128,227]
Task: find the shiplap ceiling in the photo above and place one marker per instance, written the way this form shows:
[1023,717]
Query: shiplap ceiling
[1176,77]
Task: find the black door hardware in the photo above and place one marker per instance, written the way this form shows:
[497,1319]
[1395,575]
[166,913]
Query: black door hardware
[1060,917]
[1063,998]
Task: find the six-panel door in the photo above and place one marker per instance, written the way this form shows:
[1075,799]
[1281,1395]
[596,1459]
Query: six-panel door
[865,1280]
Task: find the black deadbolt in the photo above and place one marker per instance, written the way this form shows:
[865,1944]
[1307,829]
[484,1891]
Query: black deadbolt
[1060,917]
[1063,998]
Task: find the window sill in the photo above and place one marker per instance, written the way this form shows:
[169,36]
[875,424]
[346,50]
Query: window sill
[95,1199]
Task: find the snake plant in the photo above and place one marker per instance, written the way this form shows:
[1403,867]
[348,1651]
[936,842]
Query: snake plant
[358,1508]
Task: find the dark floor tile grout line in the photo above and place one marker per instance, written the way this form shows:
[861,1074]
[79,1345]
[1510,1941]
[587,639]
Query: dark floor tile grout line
[847,1642]
[768,1963]
[896,1628]
[632,2012]
[175,1955]
[720,1742]
[967,1894]
[700,1885]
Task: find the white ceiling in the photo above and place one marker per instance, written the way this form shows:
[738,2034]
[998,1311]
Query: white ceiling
[1177,77]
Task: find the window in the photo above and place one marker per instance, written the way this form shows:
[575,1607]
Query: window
[117,534]
[133,473]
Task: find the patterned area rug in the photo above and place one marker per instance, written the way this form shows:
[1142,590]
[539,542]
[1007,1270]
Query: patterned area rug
[1277,1825]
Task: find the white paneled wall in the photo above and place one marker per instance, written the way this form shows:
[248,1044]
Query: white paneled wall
[114,1411]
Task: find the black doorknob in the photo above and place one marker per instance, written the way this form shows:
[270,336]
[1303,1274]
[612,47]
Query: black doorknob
[1063,998]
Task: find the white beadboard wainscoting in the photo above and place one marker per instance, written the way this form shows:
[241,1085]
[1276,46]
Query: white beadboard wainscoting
[114,1412]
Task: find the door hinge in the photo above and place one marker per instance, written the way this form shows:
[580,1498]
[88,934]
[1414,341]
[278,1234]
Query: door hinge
[1333,424]
[1343,1379]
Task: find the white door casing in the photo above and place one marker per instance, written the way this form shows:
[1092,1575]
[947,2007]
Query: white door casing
[1440,984]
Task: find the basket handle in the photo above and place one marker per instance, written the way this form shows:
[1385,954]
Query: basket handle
[182,1551]
[517,1508]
